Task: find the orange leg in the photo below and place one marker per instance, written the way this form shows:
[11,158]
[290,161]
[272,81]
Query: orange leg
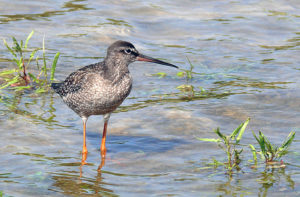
[103,148]
[84,149]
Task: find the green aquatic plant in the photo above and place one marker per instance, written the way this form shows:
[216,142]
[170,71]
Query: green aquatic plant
[269,151]
[160,74]
[229,143]
[188,74]
[253,150]
[187,90]
[19,78]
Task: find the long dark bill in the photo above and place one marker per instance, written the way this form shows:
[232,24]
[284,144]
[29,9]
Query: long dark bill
[145,58]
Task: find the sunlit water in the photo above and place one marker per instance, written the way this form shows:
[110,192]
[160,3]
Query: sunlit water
[246,54]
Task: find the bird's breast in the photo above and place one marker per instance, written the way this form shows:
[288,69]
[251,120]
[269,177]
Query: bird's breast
[107,96]
[99,96]
[117,92]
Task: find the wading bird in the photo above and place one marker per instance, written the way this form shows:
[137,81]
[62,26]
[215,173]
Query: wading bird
[98,89]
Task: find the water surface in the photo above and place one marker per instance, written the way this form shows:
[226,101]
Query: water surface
[245,55]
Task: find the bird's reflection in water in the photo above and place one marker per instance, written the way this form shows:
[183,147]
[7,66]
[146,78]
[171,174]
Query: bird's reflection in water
[68,183]
[102,163]
[144,144]
[97,181]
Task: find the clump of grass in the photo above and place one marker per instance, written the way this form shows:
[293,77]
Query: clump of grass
[229,144]
[268,151]
[19,78]
[187,89]
[188,74]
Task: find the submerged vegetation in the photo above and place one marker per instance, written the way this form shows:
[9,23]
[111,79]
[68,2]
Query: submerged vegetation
[187,89]
[220,84]
[19,78]
[229,143]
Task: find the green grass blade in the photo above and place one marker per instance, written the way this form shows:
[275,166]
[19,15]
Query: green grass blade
[191,65]
[37,62]
[242,130]
[16,61]
[31,56]
[17,46]
[40,90]
[44,68]
[33,77]
[268,144]
[12,81]
[7,72]
[180,74]
[261,142]
[288,140]
[20,63]
[253,150]
[28,38]
[270,147]
[160,74]
[189,72]
[19,88]
[208,139]
[235,132]
[282,153]
[255,137]
[53,68]
[9,49]
[217,131]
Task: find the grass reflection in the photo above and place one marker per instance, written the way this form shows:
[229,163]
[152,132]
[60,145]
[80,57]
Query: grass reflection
[290,44]
[272,177]
[262,181]
[25,104]
[253,83]
[115,22]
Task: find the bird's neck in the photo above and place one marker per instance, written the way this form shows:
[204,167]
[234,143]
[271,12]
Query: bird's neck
[115,70]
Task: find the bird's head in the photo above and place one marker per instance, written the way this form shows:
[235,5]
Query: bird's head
[125,52]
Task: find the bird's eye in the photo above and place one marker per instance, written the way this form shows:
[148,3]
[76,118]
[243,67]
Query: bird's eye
[128,51]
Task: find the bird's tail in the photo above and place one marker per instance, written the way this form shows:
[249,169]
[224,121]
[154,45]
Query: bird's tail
[56,86]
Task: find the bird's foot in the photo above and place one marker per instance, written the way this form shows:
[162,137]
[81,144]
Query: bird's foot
[103,155]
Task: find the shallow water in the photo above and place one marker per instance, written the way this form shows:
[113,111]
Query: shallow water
[245,55]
